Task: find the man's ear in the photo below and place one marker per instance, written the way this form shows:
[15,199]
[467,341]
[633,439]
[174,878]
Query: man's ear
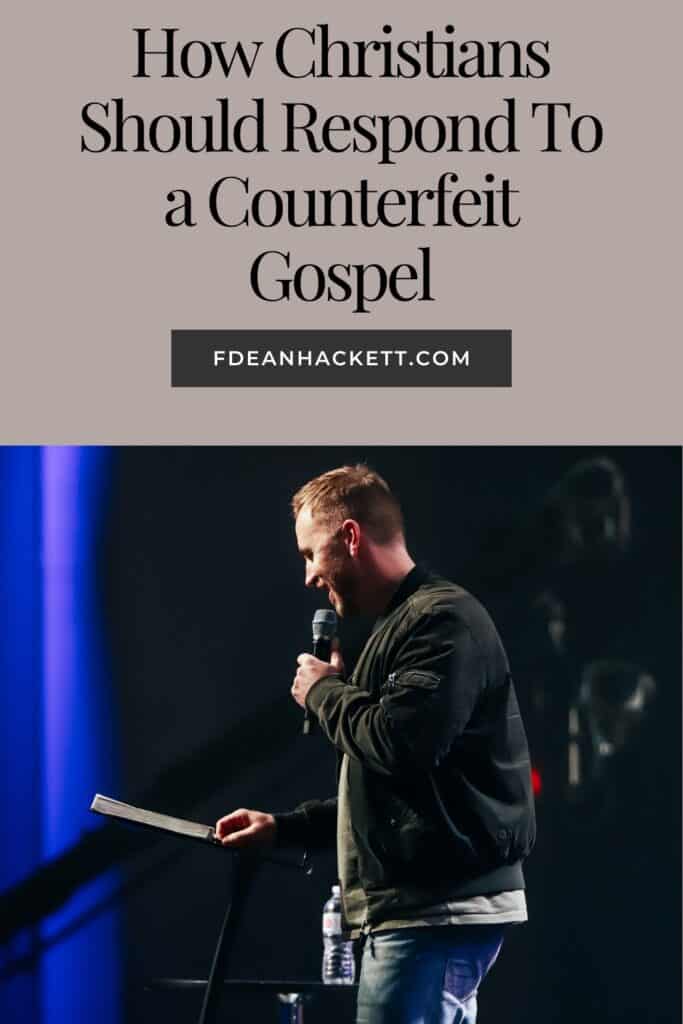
[350,535]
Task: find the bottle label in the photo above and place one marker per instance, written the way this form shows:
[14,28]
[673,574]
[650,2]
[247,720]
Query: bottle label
[332,924]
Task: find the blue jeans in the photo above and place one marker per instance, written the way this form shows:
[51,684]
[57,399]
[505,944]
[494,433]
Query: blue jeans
[425,975]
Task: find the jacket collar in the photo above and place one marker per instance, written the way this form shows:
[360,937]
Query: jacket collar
[408,585]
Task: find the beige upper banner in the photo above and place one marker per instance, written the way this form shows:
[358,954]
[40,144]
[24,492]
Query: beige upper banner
[364,168]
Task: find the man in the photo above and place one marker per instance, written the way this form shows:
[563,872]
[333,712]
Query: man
[434,811]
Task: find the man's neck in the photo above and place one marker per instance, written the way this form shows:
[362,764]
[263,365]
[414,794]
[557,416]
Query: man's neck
[391,566]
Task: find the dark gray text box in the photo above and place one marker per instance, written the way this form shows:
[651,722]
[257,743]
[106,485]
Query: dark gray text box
[225,358]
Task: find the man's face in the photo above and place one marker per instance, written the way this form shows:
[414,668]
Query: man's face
[328,564]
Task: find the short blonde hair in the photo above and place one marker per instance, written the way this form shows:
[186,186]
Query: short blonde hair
[353,492]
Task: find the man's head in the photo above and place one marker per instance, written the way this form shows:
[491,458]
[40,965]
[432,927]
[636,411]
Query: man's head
[349,530]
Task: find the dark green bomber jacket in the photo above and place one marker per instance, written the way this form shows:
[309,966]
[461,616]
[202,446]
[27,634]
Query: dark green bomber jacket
[440,796]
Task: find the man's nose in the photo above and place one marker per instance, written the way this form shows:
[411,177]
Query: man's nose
[311,577]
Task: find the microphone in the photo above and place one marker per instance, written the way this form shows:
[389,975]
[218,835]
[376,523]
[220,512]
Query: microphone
[324,629]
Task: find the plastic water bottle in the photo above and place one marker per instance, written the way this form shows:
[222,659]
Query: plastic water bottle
[339,967]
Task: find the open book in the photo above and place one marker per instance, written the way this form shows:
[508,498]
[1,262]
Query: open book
[150,819]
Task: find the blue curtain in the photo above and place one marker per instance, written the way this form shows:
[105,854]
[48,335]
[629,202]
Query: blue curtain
[57,722]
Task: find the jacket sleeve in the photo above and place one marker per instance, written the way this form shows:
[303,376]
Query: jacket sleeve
[425,703]
[312,824]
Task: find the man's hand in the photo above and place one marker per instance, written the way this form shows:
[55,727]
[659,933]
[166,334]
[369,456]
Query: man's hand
[311,670]
[246,828]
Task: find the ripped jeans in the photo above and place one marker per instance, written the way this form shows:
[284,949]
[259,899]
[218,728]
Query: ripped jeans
[425,975]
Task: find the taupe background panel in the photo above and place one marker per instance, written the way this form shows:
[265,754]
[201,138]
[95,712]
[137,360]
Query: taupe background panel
[95,281]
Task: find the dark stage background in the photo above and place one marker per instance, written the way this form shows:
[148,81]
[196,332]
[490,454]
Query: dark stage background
[206,611]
